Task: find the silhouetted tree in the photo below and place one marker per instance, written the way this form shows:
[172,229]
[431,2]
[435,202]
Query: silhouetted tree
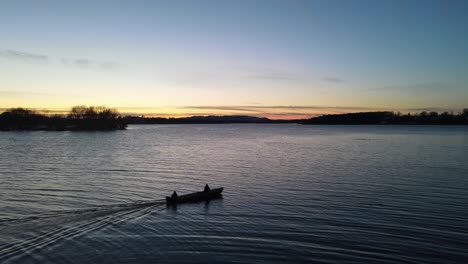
[79,118]
[78,112]
[21,112]
[20,119]
[96,117]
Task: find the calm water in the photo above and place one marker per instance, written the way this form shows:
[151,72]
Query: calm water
[315,194]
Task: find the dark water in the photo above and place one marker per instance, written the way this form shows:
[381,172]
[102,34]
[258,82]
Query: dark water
[315,194]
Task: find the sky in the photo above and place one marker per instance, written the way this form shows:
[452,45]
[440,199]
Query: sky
[279,59]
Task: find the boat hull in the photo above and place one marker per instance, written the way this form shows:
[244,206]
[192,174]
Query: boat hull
[195,197]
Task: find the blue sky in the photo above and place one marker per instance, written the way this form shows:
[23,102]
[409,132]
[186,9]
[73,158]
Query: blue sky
[275,58]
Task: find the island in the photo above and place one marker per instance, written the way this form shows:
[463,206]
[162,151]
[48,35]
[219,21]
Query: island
[79,118]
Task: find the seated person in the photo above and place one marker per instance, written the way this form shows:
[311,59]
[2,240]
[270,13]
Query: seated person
[207,188]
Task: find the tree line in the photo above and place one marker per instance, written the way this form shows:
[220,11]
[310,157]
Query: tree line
[103,118]
[396,118]
[78,118]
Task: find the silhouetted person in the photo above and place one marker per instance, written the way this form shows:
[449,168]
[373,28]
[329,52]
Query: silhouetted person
[174,195]
[207,188]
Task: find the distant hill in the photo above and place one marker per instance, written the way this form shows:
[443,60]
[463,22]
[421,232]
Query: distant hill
[352,118]
[203,120]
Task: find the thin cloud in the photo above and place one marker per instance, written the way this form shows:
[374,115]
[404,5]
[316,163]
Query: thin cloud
[84,63]
[270,111]
[89,64]
[273,112]
[275,107]
[268,74]
[81,63]
[333,79]
[417,88]
[224,108]
[276,76]
[278,110]
[39,110]
[23,56]
[109,66]
[298,110]
[9,93]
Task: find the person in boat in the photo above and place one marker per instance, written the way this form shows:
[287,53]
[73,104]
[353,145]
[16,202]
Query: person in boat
[207,188]
[174,195]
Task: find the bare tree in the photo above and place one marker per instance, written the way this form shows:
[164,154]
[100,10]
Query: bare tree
[21,112]
[78,112]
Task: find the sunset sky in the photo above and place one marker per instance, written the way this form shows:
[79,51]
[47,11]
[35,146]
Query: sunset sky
[281,59]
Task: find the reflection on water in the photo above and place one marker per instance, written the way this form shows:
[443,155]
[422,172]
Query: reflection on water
[322,194]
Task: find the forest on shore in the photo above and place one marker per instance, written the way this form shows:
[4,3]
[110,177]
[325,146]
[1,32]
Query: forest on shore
[391,118]
[79,118]
[103,118]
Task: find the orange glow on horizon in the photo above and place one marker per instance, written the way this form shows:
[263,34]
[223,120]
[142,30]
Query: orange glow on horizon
[179,112]
[271,112]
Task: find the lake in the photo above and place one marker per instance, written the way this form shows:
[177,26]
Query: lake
[292,194]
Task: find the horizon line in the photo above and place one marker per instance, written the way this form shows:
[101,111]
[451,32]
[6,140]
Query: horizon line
[274,112]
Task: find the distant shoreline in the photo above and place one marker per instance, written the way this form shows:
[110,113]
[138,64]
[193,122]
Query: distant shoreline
[364,118]
[83,118]
[390,118]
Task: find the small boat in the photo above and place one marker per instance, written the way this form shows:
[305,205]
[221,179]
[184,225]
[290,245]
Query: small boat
[195,197]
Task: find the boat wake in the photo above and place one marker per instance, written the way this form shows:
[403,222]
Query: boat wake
[21,236]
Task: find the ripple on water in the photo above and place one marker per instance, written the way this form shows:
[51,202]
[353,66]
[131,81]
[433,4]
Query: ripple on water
[297,194]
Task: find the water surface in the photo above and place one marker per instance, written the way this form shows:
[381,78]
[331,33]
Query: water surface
[316,194]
